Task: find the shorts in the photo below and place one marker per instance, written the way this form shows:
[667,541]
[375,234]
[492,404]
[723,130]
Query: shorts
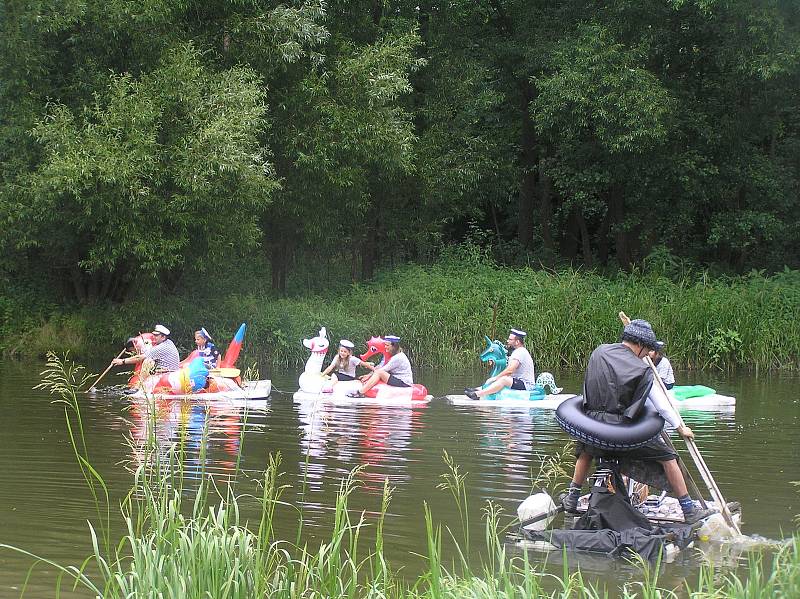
[341,376]
[654,451]
[518,384]
[396,382]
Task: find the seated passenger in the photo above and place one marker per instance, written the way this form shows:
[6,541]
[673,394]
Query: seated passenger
[206,348]
[395,373]
[343,366]
[163,354]
[519,374]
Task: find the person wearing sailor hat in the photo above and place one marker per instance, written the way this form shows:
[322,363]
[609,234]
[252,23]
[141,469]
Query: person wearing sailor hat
[163,353]
[519,373]
[395,373]
[344,364]
[663,365]
[206,348]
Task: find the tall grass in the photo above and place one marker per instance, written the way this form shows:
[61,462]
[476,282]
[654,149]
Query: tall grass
[179,545]
[443,311]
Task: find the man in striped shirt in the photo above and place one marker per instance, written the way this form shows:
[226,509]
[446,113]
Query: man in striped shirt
[164,354]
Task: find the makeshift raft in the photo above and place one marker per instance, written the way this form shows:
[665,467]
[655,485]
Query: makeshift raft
[608,523]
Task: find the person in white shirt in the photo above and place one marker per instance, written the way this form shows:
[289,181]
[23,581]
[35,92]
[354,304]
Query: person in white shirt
[343,366]
[663,366]
[395,373]
[518,374]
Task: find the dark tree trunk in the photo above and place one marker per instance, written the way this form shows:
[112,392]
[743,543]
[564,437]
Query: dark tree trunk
[78,287]
[602,238]
[528,163]
[586,245]
[279,262]
[569,243]
[545,207]
[621,241]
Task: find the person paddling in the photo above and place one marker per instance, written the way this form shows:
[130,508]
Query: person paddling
[518,374]
[616,386]
[395,373]
[164,354]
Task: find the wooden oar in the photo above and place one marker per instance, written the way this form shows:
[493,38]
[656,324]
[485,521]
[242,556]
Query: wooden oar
[226,373]
[92,388]
[704,470]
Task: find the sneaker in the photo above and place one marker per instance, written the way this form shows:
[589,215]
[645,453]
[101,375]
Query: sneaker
[471,394]
[697,513]
[570,503]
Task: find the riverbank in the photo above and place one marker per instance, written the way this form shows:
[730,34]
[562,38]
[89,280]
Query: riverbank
[444,310]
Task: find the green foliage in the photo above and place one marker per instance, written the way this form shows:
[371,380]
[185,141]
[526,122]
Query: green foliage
[158,172]
[152,145]
[600,91]
[444,311]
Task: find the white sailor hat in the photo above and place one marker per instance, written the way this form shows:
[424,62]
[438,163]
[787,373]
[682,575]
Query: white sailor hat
[346,343]
[160,329]
[205,334]
[391,338]
[518,333]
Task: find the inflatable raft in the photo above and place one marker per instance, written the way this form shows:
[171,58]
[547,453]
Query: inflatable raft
[316,388]
[699,397]
[229,391]
[548,402]
[193,380]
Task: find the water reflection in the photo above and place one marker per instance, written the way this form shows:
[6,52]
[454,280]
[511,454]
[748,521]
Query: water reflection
[374,436]
[205,436]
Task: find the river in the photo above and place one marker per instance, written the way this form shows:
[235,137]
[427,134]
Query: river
[754,453]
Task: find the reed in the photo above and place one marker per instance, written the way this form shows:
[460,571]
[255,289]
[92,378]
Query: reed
[444,310]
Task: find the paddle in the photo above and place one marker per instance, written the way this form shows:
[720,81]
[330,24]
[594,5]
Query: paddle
[226,373]
[692,447]
[92,388]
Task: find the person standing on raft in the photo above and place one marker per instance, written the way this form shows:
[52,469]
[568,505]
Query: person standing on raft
[395,373]
[663,365]
[518,374]
[616,386]
[164,354]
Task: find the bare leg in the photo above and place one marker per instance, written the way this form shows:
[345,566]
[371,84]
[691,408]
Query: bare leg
[377,377]
[582,465]
[503,381]
[675,477]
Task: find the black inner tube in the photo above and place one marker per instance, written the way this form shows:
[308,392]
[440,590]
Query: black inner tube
[607,435]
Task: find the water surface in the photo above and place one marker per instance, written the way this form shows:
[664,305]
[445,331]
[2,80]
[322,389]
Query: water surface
[753,452]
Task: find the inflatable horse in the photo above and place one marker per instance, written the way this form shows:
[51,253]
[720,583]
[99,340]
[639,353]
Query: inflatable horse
[311,380]
[495,355]
[192,376]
